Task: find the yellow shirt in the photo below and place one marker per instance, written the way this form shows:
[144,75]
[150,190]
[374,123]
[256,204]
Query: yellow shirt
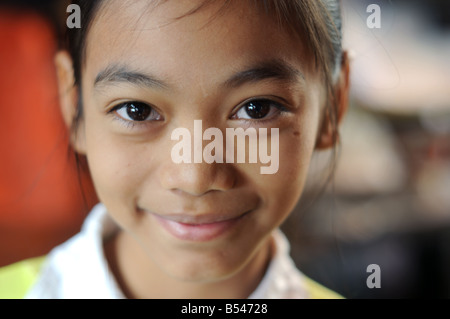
[17,279]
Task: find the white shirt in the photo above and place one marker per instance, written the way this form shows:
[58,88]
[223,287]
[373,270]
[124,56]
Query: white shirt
[78,269]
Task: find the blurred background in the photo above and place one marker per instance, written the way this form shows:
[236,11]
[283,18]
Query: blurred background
[389,201]
[41,202]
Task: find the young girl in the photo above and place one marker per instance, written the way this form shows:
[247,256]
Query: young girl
[138,70]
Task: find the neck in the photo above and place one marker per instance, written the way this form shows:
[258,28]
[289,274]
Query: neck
[139,277]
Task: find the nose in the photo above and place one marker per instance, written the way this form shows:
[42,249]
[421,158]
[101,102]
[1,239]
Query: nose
[197,179]
[196,174]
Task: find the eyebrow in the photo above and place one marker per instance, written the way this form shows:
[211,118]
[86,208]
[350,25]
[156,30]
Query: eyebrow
[122,74]
[267,70]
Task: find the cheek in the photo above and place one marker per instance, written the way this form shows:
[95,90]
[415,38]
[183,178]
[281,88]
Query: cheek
[115,165]
[112,172]
[282,190]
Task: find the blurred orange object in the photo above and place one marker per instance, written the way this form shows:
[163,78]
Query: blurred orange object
[41,202]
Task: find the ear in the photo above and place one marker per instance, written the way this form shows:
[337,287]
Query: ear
[326,138]
[68,99]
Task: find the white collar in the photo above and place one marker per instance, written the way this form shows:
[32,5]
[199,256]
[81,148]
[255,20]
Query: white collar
[79,269]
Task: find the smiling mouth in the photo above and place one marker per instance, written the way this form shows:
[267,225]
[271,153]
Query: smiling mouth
[197,228]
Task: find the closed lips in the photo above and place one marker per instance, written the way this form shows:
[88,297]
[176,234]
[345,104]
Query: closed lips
[197,220]
[200,228]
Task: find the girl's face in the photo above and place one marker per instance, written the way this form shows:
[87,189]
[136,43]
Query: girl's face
[198,221]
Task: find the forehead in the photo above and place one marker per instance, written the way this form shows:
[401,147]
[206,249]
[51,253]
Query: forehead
[168,35]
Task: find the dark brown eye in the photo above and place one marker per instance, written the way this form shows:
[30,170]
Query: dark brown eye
[137,112]
[258,109]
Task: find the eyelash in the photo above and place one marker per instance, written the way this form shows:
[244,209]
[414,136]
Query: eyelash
[281,109]
[127,123]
